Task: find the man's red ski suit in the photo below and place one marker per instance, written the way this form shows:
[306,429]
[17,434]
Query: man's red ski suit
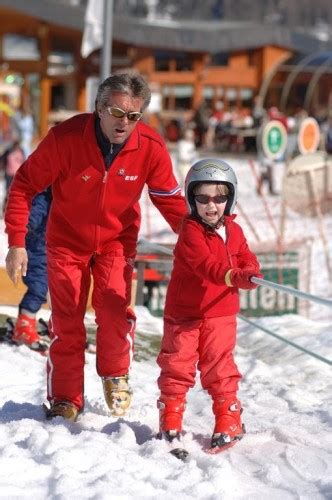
[200,311]
[92,229]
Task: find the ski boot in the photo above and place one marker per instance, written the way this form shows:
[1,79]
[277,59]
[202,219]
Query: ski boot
[171,409]
[117,394]
[63,409]
[25,332]
[228,427]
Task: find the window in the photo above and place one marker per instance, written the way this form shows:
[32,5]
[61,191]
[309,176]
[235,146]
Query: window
[20,48]
[60,63]
[183,61]
[180,95]
[246,96]
[220,59]
[162,60]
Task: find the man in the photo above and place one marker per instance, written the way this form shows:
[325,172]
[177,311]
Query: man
[97,165]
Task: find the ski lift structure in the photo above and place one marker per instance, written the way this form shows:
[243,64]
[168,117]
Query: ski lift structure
[300,82]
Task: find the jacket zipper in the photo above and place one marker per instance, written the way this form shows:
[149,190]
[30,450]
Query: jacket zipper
[226,245]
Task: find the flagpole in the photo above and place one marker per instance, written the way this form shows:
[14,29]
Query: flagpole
[106,50]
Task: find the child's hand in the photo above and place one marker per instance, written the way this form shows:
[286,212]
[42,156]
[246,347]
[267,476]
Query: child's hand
[240,278]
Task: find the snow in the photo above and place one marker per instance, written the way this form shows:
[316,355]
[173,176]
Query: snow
[286,453]
[286,395]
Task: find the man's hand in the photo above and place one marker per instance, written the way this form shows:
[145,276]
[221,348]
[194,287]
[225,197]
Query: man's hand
[16,263]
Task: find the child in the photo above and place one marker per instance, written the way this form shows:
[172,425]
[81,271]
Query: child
[10,162]
[211,262]
[25,331]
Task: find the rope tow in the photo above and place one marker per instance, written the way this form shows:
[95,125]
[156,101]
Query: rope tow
[289,342]
[292,291]
[268,284]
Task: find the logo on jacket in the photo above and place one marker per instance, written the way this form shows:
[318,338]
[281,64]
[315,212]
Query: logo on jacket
[121,171]
[86,177]
[131,177]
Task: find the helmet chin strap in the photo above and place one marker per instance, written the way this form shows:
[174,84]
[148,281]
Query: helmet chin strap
[216,225]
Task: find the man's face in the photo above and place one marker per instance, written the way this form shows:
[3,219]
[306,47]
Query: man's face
[119,129]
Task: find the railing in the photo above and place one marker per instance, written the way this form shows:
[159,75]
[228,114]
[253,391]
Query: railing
[269,284]
[292,291]
[289,342]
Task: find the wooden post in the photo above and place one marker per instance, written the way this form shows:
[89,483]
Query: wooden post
[321,226]
[45,100]
[247,220]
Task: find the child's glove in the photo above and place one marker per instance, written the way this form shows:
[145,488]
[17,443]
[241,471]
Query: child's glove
[240,278]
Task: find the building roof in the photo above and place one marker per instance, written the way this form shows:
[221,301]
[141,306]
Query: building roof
[191,36]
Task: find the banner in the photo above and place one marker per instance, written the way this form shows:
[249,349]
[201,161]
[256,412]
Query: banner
[93,27]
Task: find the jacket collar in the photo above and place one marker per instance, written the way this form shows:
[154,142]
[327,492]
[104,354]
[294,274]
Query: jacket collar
[90,134]
[227,220]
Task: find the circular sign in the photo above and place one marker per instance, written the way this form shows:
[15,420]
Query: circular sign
[309,136]
[274,140]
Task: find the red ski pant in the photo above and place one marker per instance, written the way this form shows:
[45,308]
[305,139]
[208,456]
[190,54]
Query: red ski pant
[69,279]
[208,344]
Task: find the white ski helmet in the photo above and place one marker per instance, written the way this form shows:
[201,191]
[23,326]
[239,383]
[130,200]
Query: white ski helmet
[215,171]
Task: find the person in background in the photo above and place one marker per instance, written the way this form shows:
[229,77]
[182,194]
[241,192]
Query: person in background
[97,165]
[10,162]
[186,153]
[25,126]
[327,134]
[258,112]
[25,330]
[201,120]
[212,261]
[215,123]
[266,175]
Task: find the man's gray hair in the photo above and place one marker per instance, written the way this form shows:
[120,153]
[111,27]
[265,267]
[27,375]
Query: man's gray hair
[130,83]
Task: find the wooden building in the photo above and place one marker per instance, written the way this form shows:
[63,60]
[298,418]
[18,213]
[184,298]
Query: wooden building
[41,66]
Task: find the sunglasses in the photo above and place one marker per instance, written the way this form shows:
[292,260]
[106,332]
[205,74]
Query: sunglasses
[204,199]
[133,116]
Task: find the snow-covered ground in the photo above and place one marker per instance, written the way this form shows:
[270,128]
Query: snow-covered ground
[286,453]
[286,394]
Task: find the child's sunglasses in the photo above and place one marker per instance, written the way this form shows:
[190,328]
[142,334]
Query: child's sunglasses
[204,199]
[133,116]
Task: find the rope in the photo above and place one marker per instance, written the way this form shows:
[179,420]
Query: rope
[289,342]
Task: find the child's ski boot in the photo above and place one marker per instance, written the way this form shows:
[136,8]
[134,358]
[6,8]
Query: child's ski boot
[171,409]
[25,332]
[228,427]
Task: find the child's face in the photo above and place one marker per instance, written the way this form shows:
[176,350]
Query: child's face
[210,211]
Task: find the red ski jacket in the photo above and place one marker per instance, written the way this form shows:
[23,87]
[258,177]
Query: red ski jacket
[197,287]
[94,209]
